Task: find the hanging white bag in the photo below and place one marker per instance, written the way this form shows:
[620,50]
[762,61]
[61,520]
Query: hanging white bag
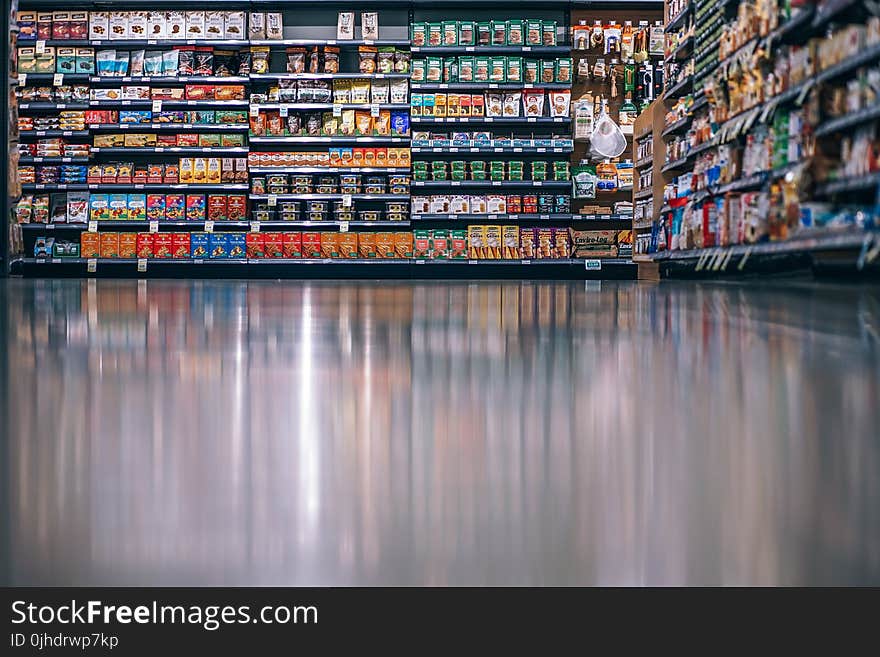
[607,139]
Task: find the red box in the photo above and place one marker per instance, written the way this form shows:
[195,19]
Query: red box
[236,207]
[273,245]
[162,245]
[145,245]
[256,245]
[311,245]
[217,208]
[292,245]
[180,245]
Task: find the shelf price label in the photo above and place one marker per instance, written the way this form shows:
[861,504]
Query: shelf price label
[58,79]
[346,200]
[91,265]
[157,106]
[374,110]
[142,265]
[41,46]
[283,111]
[593,265]
[154,226]
[209,226]
[22,79]
[343,226]
[255,226]
[93,226]
[255,110]
[337,109]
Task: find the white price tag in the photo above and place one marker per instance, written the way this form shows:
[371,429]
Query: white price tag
[284,111]
[527,49]
[453,150]
[154,226]
[473,262]
[343,226]
[151,42]
[526,262]
[58,80]
[22,79]
[273,200]
[93,226]
[91,265]
[469,49]
[374,110]
[209,226]
[518,150]
[255,226]
[142,264]
[420,262]
[255,110]
[346,200]
[123,126]
[455,183]
[337,109]
[532,119]
[157,105]
[41,46]
[593,265]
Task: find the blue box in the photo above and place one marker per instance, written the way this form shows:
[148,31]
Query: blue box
[218,245]
[237,245]
[199,245]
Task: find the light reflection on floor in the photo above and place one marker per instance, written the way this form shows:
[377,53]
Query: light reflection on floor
[286,433]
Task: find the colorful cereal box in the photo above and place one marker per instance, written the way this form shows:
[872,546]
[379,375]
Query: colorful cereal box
[218,245]
[421,244]
[510,240]
[330,245]
[145,245]
[236,207]
[99,208]
[162,245]
[457,244]
[90,245]
[118,207]
[527,243]
[367,245]
[493,242]
[256,245]
[292,245]
[199,245]
[476,242]
[195,208]
[175,207]
[439,244]
[237,245]
[127,245]
[274,245]
[180,245]
[217,207]
[109,245]
[137,207]
[156,207]
[311,245]
[403,244]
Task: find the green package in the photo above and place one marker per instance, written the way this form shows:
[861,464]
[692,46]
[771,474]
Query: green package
[514,69]
[481,69]
[467,33]
[515,32]
[484,33]
[563,70]
[548,33]
[499,33]
[498,70]
[435,34]
[450,33]
[466,69]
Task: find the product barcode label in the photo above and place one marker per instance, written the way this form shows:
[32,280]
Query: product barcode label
[154,226]
[157,105]
[22,79]
[337,110]
[273,200]
[58,79]
[284,111]
[41,46]
[142,264]
[255,110]
[93,226]
[255,226]
[209,226]
[343,226]
[346,200]
[374,110]
[473,262]
[526,262]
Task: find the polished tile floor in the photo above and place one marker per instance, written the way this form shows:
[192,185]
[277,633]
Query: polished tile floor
[287,433]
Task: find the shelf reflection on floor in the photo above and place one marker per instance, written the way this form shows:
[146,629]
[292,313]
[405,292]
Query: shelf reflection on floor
[258,433]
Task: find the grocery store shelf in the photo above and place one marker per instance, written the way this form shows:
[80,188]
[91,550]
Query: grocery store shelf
[134,127]
[26,159]
[331,197]
[754,181]
[679,19]
[696,150]
[329,76]
[519,218]
[866,115]
[50,77]
[490,149]
[227,43]
[59,186]
[675,165]
[506,184]
[563,49]
[53,133]
[173,149]
[215,226]
[680,89]
[644,162]
[683,51]
[794,27]
[676,127]
[137,186]
[643,194]
[851,64]
[43,105]
[280,43]
[294,169]
[168,104]
[326,106]
[490,119]
[329,140]
[483,86]
[167,79]
[854,184]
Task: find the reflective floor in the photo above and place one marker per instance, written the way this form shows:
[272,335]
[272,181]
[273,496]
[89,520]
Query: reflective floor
[288,433]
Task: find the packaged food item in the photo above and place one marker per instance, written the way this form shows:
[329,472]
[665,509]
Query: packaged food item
[418,34]
[498,32]
[195,24]
[498,69]
[345,25]
[89,245]
[218,245]
[144,245]
[109,245]
[548,33]
[274,26]
[533,102]
[511,103]
[563,70]
[127,245]
[180,245]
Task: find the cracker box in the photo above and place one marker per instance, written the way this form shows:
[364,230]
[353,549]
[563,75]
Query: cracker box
[457,244]
[348,245]
[180,245]
[161,245]
[118,207]
[156,207]
[330,245]
[256,245]
[90,245]
[128,245]
[99,207]
[561,243]
[476,242]
[237,245]
[195,207]
[175,207]
[44,25]
[217,204]
[527,243]
[311,245]
[510,241]
[439,244]
[403,244]
[236,207]
[367,245]
[421,244]
[292,245]
[200,170]
[137,207]
[273,244]
[218,245]
[145,245]
[175,25]
[109,245]
[384,245]
[198,244]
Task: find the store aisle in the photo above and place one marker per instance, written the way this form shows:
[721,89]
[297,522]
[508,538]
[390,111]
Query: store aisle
[259,433]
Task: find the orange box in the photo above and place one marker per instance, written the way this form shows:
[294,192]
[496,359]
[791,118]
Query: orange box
[90,245]
[311,245]
[348,245]
[128,245]
[384,245]
[292,245]
[109,245]
[180,245]
[367,245]
[403,244]
[162,245]
[330,245]
[145,245]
